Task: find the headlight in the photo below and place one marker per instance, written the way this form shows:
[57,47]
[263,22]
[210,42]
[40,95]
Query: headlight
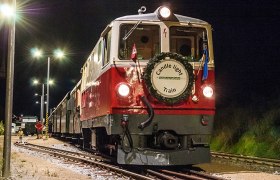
[123,90]
[164,12]
[208,92]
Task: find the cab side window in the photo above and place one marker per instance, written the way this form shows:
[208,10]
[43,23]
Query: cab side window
[106,48]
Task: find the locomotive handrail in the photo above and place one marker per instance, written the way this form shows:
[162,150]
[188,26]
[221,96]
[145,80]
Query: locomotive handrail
[150,112]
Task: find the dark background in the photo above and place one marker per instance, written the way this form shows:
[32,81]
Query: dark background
[246,45]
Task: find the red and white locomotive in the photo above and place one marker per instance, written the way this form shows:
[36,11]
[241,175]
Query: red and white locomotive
[146,95]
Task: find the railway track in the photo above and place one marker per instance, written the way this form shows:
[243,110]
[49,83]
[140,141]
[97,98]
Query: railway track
[109,169]
[86,159]
[249,159]
[185,175]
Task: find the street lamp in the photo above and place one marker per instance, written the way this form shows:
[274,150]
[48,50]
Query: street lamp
[59,54]
[9,11]
[36,82]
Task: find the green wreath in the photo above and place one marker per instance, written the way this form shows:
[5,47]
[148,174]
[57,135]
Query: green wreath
[148,81]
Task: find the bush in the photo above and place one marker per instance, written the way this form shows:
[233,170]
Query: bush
[249,130]
[1,128]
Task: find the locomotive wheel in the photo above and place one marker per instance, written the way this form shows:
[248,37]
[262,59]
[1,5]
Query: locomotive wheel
[169,78]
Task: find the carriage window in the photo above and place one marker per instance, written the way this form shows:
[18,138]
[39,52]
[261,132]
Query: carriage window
[187,41]
[99,50]
[106,46]
[145,38]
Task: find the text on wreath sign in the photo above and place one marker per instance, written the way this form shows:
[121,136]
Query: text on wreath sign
[169,90]
[169,66]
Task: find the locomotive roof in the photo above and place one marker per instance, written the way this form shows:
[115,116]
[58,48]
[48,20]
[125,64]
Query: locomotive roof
[154,17]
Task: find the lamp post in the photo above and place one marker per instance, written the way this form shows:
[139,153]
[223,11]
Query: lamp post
[42,100]
[57,54]
[42,104]
[9,11]
[48,97]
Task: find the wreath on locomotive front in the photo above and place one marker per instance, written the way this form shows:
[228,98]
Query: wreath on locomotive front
[169,77]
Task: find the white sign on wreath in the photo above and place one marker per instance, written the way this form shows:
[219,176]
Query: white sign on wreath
[169,78]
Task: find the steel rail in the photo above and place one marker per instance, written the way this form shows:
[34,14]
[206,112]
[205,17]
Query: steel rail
[163,176]
[265,161]
[191,174]
[187,176]
[96,157]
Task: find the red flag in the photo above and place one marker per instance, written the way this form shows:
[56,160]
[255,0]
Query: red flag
[134,53]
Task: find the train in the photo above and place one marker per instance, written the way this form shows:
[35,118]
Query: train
[146,95]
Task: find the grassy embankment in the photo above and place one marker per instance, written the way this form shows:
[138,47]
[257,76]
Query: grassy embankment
[252,130]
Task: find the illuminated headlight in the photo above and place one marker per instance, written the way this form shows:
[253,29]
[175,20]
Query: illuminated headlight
[208,92]
[164,12]
[123,90]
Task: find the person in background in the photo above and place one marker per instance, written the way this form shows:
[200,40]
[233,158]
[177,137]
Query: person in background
[20,134]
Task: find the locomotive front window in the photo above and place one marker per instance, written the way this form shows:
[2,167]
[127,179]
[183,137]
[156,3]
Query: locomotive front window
[145,38]
[187,41]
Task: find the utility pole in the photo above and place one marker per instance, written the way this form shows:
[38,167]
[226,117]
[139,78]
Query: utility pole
[42,105]
[9,96]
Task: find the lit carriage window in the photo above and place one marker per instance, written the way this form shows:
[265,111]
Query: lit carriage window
[187,41]
[145,38]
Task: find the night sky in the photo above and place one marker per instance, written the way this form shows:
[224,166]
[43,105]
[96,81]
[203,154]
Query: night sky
[246,44]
